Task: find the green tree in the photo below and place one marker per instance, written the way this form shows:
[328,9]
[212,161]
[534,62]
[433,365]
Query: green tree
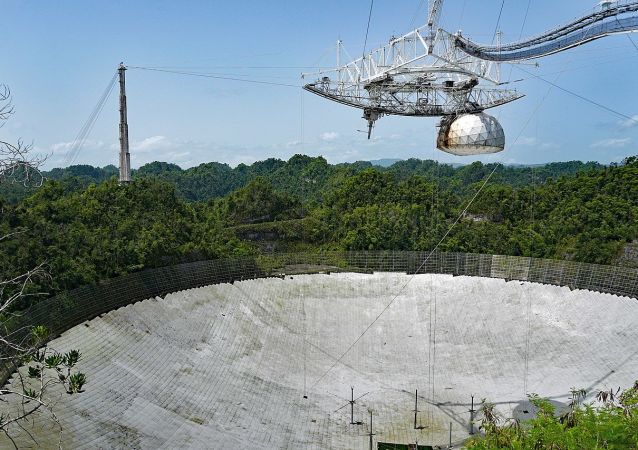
[18,346]
[612,424]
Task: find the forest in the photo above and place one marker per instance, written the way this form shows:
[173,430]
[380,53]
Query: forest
[86,227]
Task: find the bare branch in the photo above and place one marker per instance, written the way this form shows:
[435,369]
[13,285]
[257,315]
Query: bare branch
[6,107]
[23,344]
[16,286]
[17,163]
[8,235]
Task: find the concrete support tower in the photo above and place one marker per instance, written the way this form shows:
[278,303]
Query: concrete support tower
[125,156]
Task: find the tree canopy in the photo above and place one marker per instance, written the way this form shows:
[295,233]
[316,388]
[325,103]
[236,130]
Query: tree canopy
[88,229]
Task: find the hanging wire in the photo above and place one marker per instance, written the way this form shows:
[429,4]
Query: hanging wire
[447,233]
[87,127]
[528,311]
[498,21]
[520,34]
[582,97]
[396,296]
[433,301]
[462,14]
[365,42]
[214,76]
[416,14]
[301,119]
[529,4]
[240,67]
[528,331]
[601,61]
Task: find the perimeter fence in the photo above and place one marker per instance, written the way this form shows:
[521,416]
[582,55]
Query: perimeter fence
[68,309]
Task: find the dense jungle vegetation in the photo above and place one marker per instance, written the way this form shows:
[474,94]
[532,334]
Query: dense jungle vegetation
[609,422]
[87,228]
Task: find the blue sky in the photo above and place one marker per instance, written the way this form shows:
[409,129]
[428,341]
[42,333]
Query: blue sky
[59,56]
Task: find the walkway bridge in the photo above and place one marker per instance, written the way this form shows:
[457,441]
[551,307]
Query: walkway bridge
[617,17]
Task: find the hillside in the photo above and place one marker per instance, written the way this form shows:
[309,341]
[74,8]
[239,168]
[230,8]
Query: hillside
[303,176]
[105,230]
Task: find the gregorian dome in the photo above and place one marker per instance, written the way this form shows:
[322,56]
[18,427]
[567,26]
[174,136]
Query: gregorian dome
[470,134]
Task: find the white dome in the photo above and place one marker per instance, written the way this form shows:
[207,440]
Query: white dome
[471,134]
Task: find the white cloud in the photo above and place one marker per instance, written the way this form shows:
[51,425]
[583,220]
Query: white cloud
[152,143]
[64,147]
[329,136]
[630,123]
[527,141]
[534,142]
[612,142]
[61,147]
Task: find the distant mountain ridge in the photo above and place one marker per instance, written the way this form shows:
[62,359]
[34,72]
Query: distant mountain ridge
[386,162]
[303,176]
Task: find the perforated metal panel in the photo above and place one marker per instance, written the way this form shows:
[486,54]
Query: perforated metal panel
[66,310]
[471,134]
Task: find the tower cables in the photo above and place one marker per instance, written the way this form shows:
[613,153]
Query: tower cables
[85,131]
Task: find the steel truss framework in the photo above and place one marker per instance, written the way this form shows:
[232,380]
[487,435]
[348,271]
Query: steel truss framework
[421,73]
[617,18]
[429,72]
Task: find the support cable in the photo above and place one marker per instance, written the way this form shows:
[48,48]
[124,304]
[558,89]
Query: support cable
[529,295]
[498,21]
[432,306]
[365,42]
[416,13]
[585,99]
[628,36]
[462,14]
[433,301]
[217,77]
[85,130]
[602,61]
[301,118]
[528,330]
[447,233]
[520,35]
[434,226]
[460,216]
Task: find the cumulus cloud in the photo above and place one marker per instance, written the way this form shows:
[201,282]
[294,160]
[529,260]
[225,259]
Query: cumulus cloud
[527,141]
[612,143]
[630,123]
[152,143]
[61,147]
[64,147]
[329,136]
[534,142]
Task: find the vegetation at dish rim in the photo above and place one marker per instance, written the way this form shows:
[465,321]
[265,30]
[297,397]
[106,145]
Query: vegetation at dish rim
[609,423]
[88,228]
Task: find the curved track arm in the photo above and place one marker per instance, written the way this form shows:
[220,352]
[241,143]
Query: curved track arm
[621,18]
